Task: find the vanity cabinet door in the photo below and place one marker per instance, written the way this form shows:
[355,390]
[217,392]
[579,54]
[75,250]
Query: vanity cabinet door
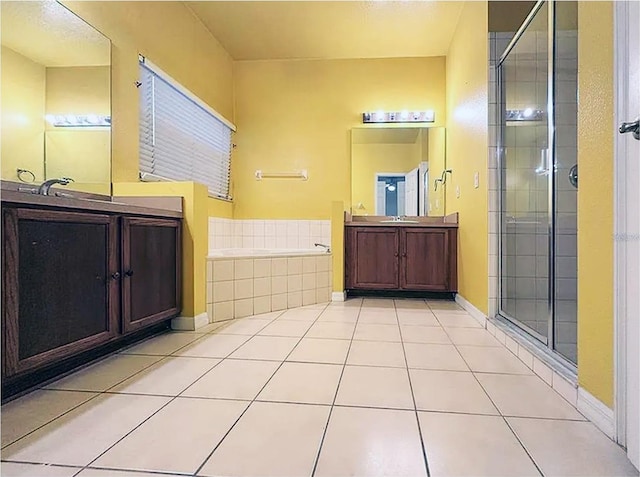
[426,256]
[60,296]
[372,258]
[151,275]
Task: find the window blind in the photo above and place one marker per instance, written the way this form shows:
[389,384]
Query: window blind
[181,138]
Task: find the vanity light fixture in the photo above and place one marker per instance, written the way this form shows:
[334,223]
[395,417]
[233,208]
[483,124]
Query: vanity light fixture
[399,117]
[528,114]
[75,121]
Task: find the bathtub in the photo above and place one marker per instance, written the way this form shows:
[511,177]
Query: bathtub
[265,252]
[246,281]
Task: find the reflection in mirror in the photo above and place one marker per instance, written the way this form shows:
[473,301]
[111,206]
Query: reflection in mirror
[56,97]
[393,171]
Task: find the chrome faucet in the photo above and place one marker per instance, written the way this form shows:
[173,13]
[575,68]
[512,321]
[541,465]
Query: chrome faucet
[326,247]
[46,185]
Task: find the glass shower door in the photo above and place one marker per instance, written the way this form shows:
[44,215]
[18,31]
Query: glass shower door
[527,179]
[565,327]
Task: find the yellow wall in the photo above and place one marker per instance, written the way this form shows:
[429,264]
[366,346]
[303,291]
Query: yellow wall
[219,208]
[23,106]
[467,136]
[369,159]
[337,245]
[595,199]
[78,90]
[81,153]
[194,234]
[294,115]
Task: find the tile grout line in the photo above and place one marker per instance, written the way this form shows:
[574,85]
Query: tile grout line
[145,472]
[215,332]
[107,391]
[522,444]
[335,395]
[204,462]
[425,459]
[98,394]
[173,398]
[504,419]
[553,371]
[163,357]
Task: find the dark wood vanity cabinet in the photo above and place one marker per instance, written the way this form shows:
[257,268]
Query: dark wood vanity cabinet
[74,280]
[59,293]
[372,257]
[401,258]
[150,271]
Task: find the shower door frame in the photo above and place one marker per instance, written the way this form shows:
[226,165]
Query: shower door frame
[549,340]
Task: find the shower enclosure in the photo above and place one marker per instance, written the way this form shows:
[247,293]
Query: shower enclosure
[537,91]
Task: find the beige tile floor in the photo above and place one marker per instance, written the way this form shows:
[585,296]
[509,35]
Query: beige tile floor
[368,387]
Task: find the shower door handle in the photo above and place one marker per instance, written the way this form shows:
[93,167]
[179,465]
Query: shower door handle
[544,166]
[632,127]
[573,176]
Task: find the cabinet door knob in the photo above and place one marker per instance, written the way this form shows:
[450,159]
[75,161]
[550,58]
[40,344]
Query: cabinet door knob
[115,276]
[128,273]
[395,254]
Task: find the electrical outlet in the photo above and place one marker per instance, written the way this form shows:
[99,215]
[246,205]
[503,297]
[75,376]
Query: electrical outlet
[458,191]
[476,180]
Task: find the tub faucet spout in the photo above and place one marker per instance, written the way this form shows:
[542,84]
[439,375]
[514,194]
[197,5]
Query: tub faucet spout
[326,247]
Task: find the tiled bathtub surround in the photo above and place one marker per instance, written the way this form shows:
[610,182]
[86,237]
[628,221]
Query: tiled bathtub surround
[246,286]
[230,233]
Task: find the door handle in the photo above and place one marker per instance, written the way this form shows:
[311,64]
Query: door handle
[632,127]
[573,176]
[128,273]
[115,276]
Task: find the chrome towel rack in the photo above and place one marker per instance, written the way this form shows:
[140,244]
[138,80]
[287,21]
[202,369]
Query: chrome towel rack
[303,175]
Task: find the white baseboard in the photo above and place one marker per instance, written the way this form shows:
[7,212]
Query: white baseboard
[472,310]
[190,323]
[597,412]
[339,296]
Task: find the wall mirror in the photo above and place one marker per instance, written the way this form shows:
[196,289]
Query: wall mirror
[393,171]
[56,97]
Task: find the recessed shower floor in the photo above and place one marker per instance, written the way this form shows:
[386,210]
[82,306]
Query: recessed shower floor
[364,387]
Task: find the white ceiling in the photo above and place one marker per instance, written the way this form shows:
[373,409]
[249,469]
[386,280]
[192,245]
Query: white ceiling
[251,30]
